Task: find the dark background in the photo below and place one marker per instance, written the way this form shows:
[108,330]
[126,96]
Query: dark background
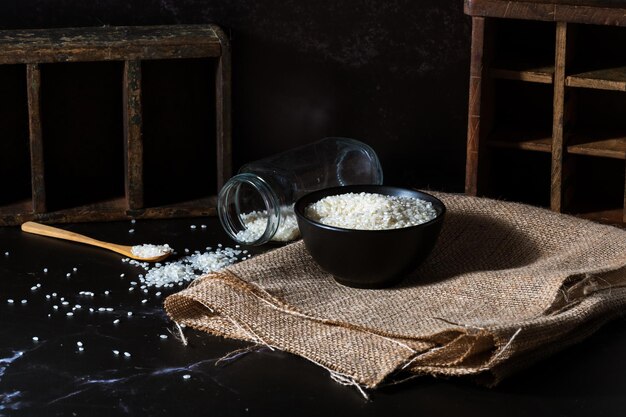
[392,73]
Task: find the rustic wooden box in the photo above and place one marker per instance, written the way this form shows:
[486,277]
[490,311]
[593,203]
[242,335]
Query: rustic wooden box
[547,109]
[94,121]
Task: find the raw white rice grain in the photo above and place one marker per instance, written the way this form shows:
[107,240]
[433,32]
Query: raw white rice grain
[369,211]
[150,251]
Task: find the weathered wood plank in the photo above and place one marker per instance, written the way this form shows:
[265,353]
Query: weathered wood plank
[223,111]
[532,74]
[558,102]
[133,144]
[112,211]
[601,79]
[573,11]
[527,141]
[131,45]
[33,85]
[108,43]
[475,98]
[599,144]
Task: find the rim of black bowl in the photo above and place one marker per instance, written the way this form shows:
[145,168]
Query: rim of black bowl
[302,202]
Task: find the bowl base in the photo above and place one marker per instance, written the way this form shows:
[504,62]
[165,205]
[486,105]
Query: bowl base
[369,285]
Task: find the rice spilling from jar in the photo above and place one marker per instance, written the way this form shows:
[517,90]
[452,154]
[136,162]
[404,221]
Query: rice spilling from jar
[256,222]
[370,211]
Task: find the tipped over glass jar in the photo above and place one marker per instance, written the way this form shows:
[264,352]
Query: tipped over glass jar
[256,205]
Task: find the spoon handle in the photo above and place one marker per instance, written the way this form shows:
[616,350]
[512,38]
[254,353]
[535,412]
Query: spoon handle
[44,230]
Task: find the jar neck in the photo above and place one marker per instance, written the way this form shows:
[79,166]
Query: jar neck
[246,197]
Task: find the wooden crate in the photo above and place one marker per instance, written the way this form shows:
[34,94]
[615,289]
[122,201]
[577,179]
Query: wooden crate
[32,62]
[547,108]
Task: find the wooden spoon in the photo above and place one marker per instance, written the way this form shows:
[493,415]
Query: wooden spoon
[43,230]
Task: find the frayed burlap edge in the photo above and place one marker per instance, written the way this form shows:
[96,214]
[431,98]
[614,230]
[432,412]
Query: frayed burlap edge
[488,354]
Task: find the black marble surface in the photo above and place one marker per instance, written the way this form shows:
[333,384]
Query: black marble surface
[51,377]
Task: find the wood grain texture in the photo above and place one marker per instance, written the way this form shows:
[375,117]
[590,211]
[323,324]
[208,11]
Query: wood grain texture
[474,113]
[108,43]
[33,85]
[112,210]
[55,232]
[598,144]
[223,97]
[528,141]
[601,79]
[589,12]
[534,74]
[133,143]
[556,179]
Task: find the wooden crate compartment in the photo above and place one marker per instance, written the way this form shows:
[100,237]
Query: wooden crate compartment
[523,50]
[74,124]
[595,188]
[597,61]
[522,116]
[16,192]
[179,155]
[600,124]
[510,176]
[82,114]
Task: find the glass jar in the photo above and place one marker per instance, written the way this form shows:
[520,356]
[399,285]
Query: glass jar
[256,205]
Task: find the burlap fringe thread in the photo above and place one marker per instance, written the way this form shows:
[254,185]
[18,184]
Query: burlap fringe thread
[506,285]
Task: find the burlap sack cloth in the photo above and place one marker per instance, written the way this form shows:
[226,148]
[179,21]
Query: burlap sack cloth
[505,285]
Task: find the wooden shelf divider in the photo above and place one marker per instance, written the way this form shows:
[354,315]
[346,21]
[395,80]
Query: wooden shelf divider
[600,79]
[223,104]
[537,74]
[558,118]
[601,146]
[527,141]
[133,143]
[33,85]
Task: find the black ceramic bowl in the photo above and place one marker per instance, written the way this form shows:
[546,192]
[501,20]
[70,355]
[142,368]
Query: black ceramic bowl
[368,258]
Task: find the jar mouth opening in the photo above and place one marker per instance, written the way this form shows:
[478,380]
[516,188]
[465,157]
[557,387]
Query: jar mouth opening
[248,209]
